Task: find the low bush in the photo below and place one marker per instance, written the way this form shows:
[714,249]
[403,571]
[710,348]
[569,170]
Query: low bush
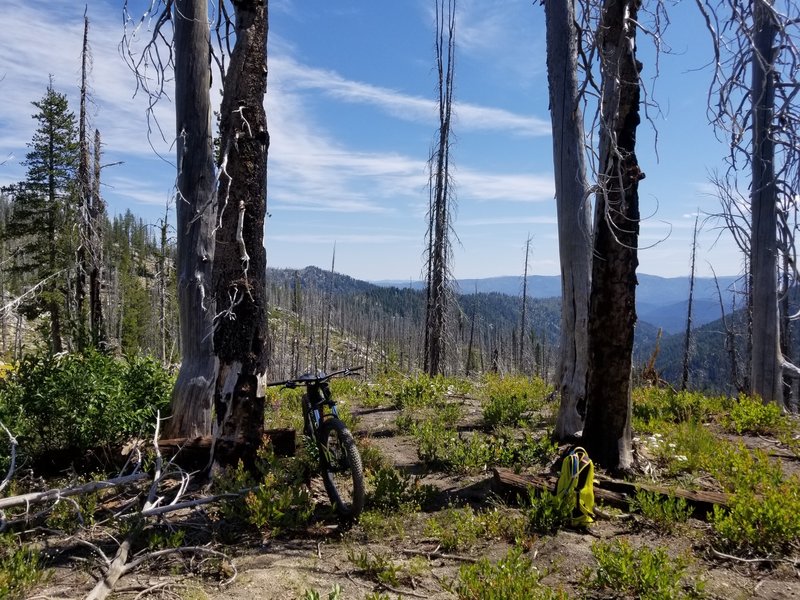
[20,568]
[662,513]
[81,401]
[393,491]
[751,415]
[512,400]
[547,513]
[760,524]
[513,578]
[645,573]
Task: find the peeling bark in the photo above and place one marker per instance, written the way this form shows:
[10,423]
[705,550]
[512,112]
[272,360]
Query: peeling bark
[572,205]
[612,310]
[240,337]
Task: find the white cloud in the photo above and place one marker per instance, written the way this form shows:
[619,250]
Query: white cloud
[292,75]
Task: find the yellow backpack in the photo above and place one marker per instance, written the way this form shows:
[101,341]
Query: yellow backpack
[575,486]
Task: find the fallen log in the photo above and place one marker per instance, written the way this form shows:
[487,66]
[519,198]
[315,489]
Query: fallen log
[613,492]
[193,453]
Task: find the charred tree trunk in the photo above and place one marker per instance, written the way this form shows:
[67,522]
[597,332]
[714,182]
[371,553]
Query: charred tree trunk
[96,220]
[196,212]
[523,320]
[766,358]
[439,259]
[84,197]
[687,340]
[612,310]
[573,208]
[240,265]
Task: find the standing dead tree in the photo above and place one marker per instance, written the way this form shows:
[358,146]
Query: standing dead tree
[612,309]
[192,396]
[573,209]
[221,263]
[523,327]
[240,263]
[440,197]
[753,106]
[687,340]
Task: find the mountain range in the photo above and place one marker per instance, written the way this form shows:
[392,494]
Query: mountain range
[660,301]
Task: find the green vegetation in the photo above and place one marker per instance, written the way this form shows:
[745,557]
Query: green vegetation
[395,491]
[382,569]
[512,400]
[648,574]
[81,401]
[279,499]
[334,594]
[546,512]
[513,578]
[750,415]
[20,568]
[462,528]
[662,513]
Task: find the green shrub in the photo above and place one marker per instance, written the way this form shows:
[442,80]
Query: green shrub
[334,594]
[763,523]
[20,568]
[648,574]
[653,406]
[512,400]
[378,567]
[441,447]
[662,512]
[80,401]
[393,490]
[462,528]
[419,391]
[513,578]
[380,526]
[455,528]
[751,415]
[547,513]
[511,450]
[279,507]
[688,447]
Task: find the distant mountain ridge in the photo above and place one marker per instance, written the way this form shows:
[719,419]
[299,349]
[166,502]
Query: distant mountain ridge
[660,301]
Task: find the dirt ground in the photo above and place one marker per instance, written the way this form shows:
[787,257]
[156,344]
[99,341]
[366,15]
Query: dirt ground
[286,568]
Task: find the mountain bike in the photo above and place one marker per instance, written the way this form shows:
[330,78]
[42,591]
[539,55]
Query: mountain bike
[339,460]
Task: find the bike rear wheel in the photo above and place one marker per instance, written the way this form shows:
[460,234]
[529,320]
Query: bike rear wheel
[340,466]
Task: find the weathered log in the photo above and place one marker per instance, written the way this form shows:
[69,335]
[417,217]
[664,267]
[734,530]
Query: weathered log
[192,453]
[613,492]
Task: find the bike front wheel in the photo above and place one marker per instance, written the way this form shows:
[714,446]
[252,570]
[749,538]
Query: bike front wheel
[340,465]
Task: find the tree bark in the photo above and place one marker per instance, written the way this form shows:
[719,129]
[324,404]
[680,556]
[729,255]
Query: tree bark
[193,392]
[612,310]
[96,212]
[573,210]
[766,358]
[240,265]
[440,209]
[687,340]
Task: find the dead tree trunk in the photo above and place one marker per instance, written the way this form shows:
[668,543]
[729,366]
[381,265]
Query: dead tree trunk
[523,320]
[196,211]
[612,311]
[84,194]
[240,265]
[687,340]
[573,208]
[96,219]
[441,209]
[766,358]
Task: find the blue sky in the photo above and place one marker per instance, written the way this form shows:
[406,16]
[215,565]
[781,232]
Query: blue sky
[351,116]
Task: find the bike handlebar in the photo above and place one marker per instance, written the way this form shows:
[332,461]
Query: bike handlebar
[308,379]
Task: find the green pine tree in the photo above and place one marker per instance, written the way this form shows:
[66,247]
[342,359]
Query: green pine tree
[40,224]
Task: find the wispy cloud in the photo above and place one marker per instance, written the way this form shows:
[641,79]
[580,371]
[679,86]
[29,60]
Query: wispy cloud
[293,75]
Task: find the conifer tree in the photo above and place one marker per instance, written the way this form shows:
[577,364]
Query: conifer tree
[39,225]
